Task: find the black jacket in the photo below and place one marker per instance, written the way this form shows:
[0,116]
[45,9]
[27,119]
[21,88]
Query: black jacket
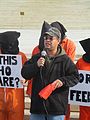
[60,67]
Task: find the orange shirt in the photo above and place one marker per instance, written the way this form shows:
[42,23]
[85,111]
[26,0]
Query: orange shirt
[84,110]
[69,47]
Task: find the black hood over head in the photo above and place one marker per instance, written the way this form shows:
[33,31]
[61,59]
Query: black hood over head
[9,42]
[86,47]
[45,28]
[60,27]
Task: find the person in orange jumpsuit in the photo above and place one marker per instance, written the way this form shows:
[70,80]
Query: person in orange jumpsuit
[66,43]
[11,99]
[84,64]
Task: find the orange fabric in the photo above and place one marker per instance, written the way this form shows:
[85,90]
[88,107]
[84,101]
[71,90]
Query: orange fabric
[82,65]
[69,47]
[47,91]
[84,110]
[84,113]
[35,50]
[67,116]
[29,88]
[12,101]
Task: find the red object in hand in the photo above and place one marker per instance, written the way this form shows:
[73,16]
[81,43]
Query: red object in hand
[46,92]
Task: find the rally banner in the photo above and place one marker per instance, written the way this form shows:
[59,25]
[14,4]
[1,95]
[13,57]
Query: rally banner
[80,93]
[10,71]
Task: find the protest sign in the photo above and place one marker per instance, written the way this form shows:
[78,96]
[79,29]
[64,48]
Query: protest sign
[80,93]
[10,71]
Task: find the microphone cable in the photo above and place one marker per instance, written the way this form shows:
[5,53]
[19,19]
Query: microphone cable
[43,99]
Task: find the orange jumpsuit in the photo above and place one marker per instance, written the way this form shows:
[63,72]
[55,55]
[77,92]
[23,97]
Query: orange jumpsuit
[12,101]
[84,110]
[70,48]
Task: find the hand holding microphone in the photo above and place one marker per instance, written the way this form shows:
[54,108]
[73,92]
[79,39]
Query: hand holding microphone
[41,60]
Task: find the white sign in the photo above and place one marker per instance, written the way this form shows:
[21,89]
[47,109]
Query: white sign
[80,93]
[10,71]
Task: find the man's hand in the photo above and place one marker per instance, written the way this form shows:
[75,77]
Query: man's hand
[57,83]
[41,62]
[47,91]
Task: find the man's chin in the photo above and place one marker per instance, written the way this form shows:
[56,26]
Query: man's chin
[48,48]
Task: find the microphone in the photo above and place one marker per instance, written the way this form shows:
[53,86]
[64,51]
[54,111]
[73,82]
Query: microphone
[43,54]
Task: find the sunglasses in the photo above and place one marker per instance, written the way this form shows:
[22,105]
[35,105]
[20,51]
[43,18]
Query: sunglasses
[48,38]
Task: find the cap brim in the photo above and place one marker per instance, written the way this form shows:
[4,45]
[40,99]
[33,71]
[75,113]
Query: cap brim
[49,33]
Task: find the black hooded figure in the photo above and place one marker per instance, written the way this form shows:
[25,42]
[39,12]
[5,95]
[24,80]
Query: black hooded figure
[86,47]
[45,28]
[60,27]
[9,42]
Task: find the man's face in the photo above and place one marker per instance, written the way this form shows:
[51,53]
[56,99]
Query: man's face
[50,42]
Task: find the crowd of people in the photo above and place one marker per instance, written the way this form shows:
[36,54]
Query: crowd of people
[50,72]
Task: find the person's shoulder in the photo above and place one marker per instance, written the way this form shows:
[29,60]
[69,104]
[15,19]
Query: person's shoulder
[21,53]
[69,41]
[36,47]
[36,56]
[80,59]
[80,62]
[64,57]
[35,50]
[23,56]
